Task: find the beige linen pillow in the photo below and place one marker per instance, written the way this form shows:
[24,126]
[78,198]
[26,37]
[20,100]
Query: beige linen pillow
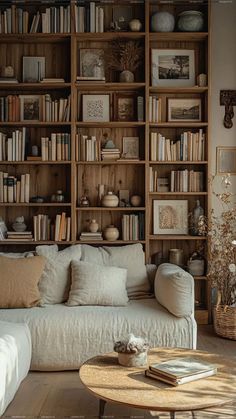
[19,281]
[55,281]
[174,289]
[97,285]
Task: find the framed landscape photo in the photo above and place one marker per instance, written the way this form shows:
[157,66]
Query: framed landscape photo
[33,69]
[173,68]
[92,64]
[170,217]
[226,160]
[124,107]
[130,148]
[30,108]
[188,110]
[96,108]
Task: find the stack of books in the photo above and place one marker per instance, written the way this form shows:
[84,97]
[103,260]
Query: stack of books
[180,370]
[110,153]
[20,235]
[86,236]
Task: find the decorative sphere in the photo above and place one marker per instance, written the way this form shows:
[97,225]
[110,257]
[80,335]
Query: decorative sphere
[135,200]
[162,22]
[135,25]
[190,21]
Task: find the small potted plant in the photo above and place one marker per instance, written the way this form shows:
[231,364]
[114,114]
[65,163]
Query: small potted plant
[222,258]
[124,56]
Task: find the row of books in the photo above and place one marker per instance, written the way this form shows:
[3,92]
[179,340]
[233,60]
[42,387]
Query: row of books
[110,154]
[133,226]
[157,182]
[19,236]
[45,229]
[13,189]
[190,147]
[89,19]
[87,148]
[13,148]
[56,148]
[57,110]
[154,109]
[87,236]
[186,181]
[52,20]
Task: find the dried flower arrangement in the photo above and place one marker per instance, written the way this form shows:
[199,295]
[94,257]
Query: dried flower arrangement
[222,245]
[124,55]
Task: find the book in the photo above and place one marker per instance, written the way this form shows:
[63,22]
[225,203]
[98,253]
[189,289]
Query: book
[181,370]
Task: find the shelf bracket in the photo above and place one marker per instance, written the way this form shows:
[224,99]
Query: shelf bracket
[228,99]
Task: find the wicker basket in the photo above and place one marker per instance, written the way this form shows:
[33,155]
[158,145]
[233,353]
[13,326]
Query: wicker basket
[224,318]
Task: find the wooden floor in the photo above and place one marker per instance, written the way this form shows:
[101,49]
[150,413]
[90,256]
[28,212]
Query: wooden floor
[61,395]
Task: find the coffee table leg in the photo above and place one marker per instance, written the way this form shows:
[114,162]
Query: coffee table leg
[172,415]
[101,407]
[193,415]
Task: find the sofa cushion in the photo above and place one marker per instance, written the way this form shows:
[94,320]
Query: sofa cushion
[19,281]
[130,257]
[174,289]
[97,285]
[55,281]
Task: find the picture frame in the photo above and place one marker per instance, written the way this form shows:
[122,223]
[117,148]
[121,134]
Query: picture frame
[170,216]
[173,67]
[96,108]
[226,160]
[91,64]
[125,107]
[130,148]
[30,108]
[33,69]
[188,110]
[121,16]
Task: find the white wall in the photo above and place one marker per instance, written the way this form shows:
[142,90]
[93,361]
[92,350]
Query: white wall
[223,75]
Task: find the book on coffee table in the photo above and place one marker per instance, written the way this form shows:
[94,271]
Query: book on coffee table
[180,370]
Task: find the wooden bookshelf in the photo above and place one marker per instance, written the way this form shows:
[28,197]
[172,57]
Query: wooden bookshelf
[76,178]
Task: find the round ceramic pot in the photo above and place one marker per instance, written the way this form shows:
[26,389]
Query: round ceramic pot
[135,25]
[19,227]
[135,200]
[93,226]
[110,200]
[132,360]
[190,21]
[196,267]
[111,233]
[162,22]
[126,76]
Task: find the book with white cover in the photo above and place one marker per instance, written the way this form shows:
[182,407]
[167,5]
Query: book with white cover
[182,367]
[178,381]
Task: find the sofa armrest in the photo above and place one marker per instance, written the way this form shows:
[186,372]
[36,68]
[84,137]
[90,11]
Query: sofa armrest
[174,290]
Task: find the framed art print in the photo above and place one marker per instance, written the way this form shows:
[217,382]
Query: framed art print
[124,107]
[130,148]
[96,108]
[30,108]
[170,216]
[188,110]
[92,64]
[173,68]
[226,160]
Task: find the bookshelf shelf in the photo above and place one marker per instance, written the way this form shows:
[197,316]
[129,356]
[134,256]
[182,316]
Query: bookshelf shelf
[62,52]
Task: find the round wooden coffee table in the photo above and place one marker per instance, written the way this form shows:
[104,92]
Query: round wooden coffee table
[110,382]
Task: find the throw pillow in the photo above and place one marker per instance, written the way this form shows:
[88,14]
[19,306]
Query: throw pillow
[130,257]
[174,289]
[19,281]
[54,284]
[97,285]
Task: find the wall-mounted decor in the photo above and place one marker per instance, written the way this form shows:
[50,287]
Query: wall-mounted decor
[96,108]
[226,160]
[228,99]
[173,67]
[188,110]
[170,216]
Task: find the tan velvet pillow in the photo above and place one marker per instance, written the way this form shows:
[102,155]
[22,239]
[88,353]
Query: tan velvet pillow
[19,281]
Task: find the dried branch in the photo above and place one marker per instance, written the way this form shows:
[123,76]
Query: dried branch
[124,55]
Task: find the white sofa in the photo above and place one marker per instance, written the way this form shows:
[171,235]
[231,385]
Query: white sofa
[64,337]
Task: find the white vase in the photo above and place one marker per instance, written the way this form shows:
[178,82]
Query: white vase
[111,233]
[93,226]
[126,76]
[110,200]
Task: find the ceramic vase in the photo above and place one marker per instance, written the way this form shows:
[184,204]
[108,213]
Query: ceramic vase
[135,25]
[190,21]
[111,233]
[162,22]
[132,360]
[110,200]
[126,76]
[135,200]
[93,226]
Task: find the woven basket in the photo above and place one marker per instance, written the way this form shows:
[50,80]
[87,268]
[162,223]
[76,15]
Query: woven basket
[224,318]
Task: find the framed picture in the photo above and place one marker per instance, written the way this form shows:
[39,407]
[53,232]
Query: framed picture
[130,148]
[92,64]
[30,107]
[96,108]
[173,67]
[124,107]
[121,16]
[188,110]
[226,160]
[170,217]
[33,69]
